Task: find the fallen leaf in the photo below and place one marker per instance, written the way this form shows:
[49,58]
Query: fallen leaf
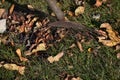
[78,78]
[113,36]
[79,10]
[117,47]
[69,77]
[80,46]
[98,3]
[56,58]
[102,33]
[50,59]
[11,8]
[72,46]
[111,33]
[2,11]
[30,7]
[20,69]
[3,1]
[40,47]
[90,50]
[109,43]
[118,55]
[18,51]
[70,13]
[2,25]
[104,1]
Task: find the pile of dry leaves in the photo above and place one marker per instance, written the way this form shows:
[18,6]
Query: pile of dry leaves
[36,35]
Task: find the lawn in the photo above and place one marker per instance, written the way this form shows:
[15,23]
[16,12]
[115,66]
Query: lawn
[95,62]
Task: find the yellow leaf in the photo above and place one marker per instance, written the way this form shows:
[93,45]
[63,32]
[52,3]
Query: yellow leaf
[113,36]
[79,10]
[111,33]
[40,47]
[50,59]
[56,58]
[18,51]
[20,69]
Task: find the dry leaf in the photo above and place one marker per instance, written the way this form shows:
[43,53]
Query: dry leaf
[3,1]
[22,28]
[11,9]
[80,46]
[2,11]
[90,50]
[20,69]
[117,47]
[69,77]
[98,3]
[118,55]
[30,7]
[78,78]
[50,59]
[18,51]
[40,47]
[109,43]
[79,10]
[56,58]
[72,46]
[102,33]
[112,35]
[70,13]
[104,1]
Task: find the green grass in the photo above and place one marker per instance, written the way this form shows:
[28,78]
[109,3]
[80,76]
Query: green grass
[88,66]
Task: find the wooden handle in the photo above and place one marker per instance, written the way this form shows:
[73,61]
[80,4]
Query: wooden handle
[58,12]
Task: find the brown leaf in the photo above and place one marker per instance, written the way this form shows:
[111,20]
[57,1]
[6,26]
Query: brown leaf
[80,46]
[113,36]
[98,3]
[111,33]
[11,8]
[3,1]
[118,55]
[18,51]
[2,11]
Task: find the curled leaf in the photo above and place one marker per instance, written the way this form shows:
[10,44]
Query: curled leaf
[113,36]
[111,33]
